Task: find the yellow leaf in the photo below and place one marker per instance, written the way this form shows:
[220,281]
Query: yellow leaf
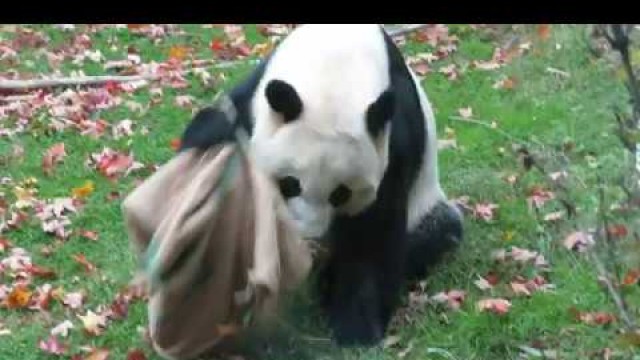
[508,235]
[84,190]
[178,52]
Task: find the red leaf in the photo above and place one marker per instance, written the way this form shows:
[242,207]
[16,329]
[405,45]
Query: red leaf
[617,230]
[52,156]
[453,298]
[39,271]
[593,318]
[175,144]
[136,354]
[52,346]
[497,306]
[4,244]
[217,45]
[82,260]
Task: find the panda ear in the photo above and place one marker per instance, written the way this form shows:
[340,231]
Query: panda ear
[380,112]
[284,99]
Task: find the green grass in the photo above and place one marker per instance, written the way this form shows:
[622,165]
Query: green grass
[542,109]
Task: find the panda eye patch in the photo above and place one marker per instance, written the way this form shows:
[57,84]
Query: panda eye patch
[340,195]
[289,187]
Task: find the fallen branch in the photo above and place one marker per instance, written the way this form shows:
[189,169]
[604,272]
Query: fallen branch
[488,126]
[101,79]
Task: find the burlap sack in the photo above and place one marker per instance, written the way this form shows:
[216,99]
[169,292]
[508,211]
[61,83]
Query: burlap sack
[215,247]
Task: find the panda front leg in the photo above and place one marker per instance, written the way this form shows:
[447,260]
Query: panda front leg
[361,284]
[438,232]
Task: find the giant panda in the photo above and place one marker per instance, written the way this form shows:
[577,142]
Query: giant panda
[341,124]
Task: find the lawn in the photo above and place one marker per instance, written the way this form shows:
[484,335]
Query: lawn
[545,91]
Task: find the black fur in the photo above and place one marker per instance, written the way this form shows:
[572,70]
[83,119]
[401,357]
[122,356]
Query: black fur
[379,113]
[372,254]
[284,99]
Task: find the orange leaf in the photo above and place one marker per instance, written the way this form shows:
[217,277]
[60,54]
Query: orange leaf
[84,190]
[178,52]
[544,31]
[82,260]
[91,235]
[135,26]
[18,298]
[631,278]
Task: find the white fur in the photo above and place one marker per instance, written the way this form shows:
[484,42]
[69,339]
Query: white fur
[338,71]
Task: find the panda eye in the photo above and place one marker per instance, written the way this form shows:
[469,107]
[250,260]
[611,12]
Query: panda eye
[339,196]
[289,187]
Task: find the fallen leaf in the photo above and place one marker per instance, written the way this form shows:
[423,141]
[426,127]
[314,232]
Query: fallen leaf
[617,230]
[544,31]
[91,235]
[93,323]
[98,354]
[73,300]
[452,298]
[52,346]
[136,354]
[83,191]
[538,197]
[631,277]
[18,298]
[483,284]
[82,260]
[554,216]
[178,52]
[62,329]
[495,305]
[578,241]
[175,144]
[184,100]
[484,211]
[465,113]
[593,318]
[52,156]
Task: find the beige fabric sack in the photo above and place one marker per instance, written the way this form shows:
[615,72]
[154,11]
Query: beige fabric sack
[215,249]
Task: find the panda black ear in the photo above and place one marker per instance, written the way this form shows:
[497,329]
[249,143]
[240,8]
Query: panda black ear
[284,99]
[380,112]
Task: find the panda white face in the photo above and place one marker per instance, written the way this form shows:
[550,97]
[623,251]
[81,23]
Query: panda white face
[322,169]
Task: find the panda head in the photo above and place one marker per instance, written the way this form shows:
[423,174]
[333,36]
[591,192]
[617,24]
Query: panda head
[327,151]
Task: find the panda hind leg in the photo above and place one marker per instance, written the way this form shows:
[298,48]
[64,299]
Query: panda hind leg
[439,232]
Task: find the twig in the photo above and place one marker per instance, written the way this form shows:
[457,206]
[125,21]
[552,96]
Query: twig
[487,125]
[604,274]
